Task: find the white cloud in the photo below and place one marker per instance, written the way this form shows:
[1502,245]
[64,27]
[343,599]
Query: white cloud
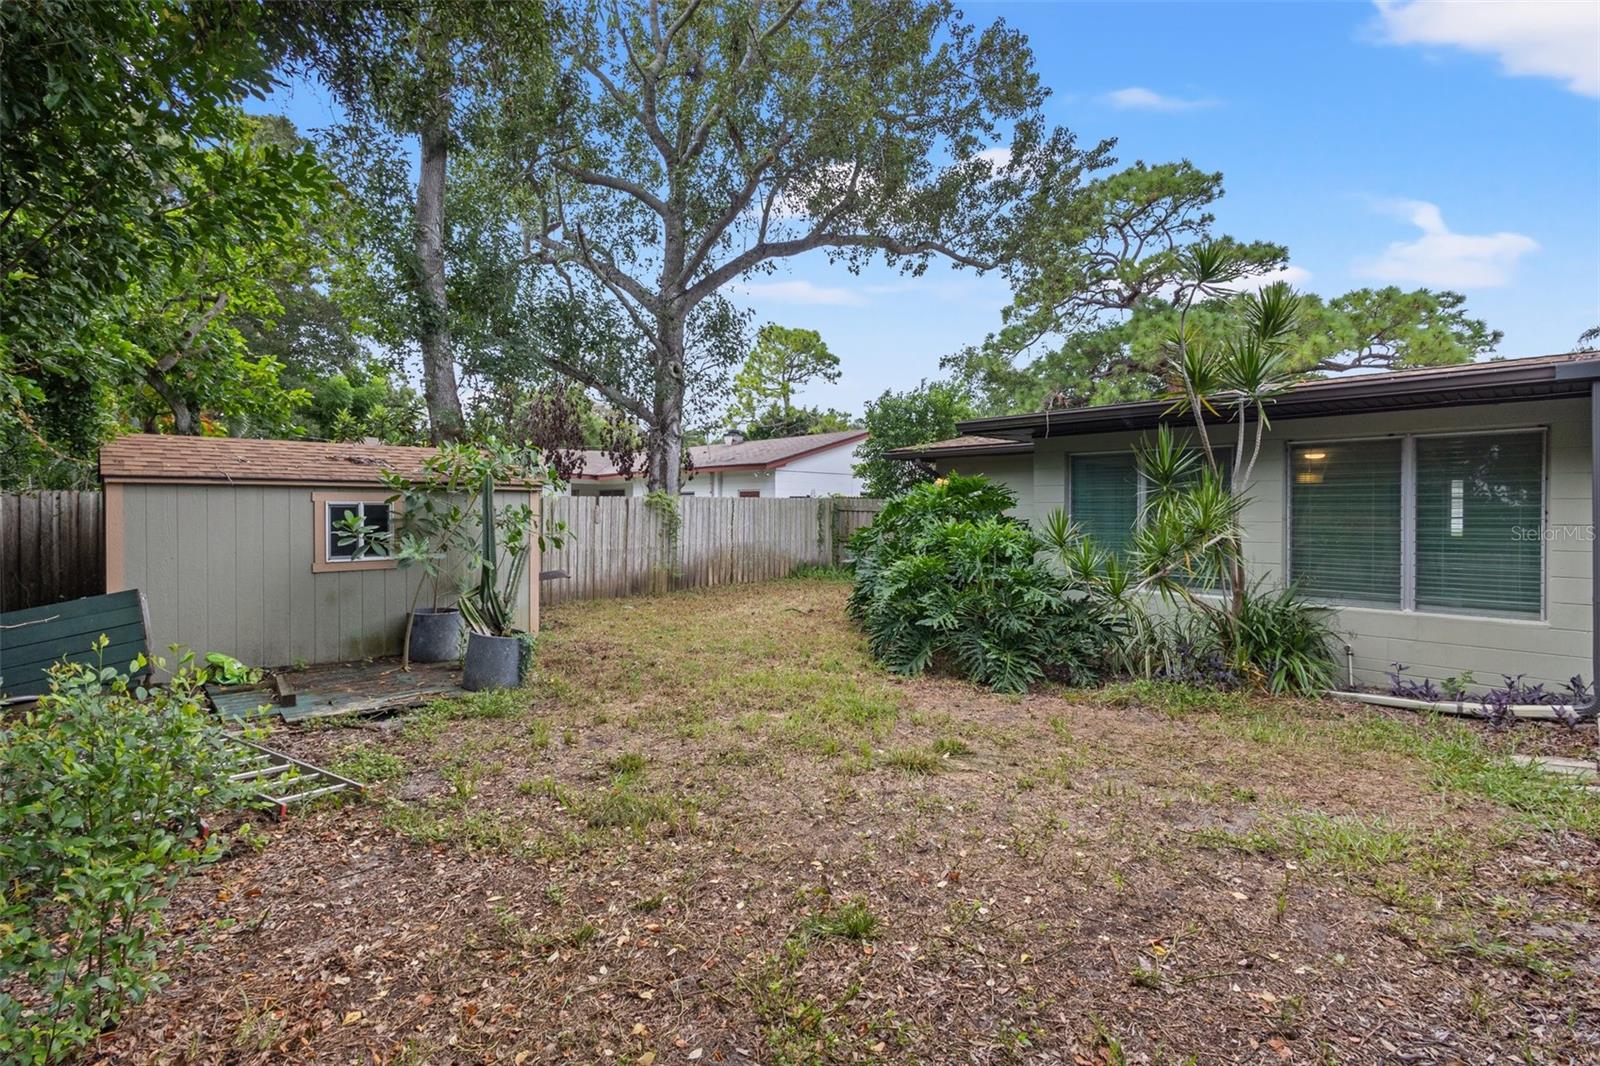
[1543,38]
[802,292]
[1440,257]
[1135,98]
[1294,275]
[999,157]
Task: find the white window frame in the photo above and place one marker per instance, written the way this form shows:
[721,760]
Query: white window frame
[323,504]
[1408,519]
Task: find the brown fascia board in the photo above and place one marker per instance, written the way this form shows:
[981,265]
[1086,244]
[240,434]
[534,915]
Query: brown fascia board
[1403,391]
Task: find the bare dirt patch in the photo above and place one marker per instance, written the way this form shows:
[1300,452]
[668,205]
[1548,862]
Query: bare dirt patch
[714,831]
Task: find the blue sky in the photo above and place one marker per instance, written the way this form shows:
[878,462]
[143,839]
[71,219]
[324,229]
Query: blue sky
[1448,145]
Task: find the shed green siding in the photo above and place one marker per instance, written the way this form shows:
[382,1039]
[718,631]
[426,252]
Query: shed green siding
[228,568]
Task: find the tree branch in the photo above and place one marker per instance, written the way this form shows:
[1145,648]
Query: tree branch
[610,392]
[765,250]
[607,181]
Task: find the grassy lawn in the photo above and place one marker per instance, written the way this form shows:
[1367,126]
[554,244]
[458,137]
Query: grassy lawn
[714,831]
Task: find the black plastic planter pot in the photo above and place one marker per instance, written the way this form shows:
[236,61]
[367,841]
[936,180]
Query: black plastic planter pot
[435,634]
[492,662]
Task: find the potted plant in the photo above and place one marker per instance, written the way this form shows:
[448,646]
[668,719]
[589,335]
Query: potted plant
[498,652]
[430,530]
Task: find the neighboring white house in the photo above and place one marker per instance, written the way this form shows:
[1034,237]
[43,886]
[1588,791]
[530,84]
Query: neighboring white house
[1445,514]
[818,464]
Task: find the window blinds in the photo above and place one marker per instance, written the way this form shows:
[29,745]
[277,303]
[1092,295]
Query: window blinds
[1104,499]
[1344,527]
[1480,509]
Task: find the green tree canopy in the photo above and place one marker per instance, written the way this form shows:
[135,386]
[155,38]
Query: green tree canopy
[447,84]
[1384,329]
[1097,285]
[120,124]
[921,415]
[697,144]
[782,360]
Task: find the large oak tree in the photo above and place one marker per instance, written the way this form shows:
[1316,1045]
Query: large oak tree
[696,144]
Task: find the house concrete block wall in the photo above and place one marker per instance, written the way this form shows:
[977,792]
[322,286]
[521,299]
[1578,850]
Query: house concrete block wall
[1551,648]
[1015,472]
[228,568]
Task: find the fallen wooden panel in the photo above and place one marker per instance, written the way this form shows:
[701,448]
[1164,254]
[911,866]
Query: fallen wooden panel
[370,687]
[33,640]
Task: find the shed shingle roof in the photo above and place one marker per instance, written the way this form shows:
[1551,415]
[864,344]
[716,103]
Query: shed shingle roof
[746,455]
[161,458]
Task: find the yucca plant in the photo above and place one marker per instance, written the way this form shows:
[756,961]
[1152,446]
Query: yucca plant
[490,607]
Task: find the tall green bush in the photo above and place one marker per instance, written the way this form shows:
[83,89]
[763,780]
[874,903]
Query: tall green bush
[944,577]
[102,788]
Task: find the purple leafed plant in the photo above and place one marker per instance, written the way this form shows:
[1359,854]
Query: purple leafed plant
[1405,688]
[1498,702]
[1206,668]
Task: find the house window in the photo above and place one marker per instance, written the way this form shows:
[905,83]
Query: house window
[611,492]
[342,546]
[1344,533]
[1108,497]
[1430,523]
[1480,499]
[1103,498]
[1205,573]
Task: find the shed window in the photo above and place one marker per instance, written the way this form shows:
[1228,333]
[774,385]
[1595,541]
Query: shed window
[1104,498]
[342,546]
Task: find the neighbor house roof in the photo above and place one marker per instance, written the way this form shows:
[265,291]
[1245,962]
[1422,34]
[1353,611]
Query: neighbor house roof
[1497,381]
[967,444]
[746,455]
[151,457]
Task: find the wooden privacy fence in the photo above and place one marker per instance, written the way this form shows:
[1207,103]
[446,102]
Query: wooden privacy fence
[50,548]
[619,546]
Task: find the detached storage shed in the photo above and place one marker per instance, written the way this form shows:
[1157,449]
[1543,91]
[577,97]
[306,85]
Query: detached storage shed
[231,541]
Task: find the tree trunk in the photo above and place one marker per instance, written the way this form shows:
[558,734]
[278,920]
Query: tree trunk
[438,366]
[666,442]
[184,423]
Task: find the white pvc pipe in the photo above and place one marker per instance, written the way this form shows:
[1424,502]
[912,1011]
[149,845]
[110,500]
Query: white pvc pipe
[1471,709]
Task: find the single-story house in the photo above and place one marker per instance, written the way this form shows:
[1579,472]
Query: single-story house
[232,542]
[1446,515]
[816,464]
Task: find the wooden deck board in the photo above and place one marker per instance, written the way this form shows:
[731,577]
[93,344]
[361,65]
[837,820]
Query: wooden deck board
[369,687]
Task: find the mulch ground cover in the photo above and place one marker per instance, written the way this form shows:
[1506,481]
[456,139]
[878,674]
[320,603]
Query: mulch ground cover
[712,831]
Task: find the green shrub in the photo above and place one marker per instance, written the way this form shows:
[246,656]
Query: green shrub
[944,577]
[102,787]
[1284,641]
